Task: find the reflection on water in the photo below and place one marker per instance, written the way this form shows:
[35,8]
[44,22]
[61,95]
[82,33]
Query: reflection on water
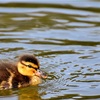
[23,94]
[66,40]
[29,94]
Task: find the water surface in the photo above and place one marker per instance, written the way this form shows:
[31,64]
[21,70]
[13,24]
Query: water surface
[65,37]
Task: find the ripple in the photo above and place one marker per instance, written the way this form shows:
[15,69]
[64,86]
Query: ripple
[90,19]
[7,29]
[22,18]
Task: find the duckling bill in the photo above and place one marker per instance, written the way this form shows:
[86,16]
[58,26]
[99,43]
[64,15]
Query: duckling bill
[23,73]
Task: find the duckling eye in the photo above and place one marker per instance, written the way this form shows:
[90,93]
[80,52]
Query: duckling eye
[29,66]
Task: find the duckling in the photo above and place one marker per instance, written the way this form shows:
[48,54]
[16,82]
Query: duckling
[23,73]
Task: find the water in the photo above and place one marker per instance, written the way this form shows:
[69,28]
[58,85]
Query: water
[65,37]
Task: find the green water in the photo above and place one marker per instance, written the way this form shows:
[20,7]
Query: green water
[65,37]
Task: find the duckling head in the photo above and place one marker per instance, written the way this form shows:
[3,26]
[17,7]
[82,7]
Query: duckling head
[28,65]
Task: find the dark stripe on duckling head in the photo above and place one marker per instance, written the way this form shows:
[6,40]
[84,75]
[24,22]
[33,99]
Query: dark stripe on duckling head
[30,66]
[29,58]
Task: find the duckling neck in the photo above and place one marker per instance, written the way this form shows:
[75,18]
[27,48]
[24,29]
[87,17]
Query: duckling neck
[20,80]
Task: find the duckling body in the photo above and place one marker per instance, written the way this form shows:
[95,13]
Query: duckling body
[23,73]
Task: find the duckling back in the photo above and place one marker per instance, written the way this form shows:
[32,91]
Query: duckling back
[10,77]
